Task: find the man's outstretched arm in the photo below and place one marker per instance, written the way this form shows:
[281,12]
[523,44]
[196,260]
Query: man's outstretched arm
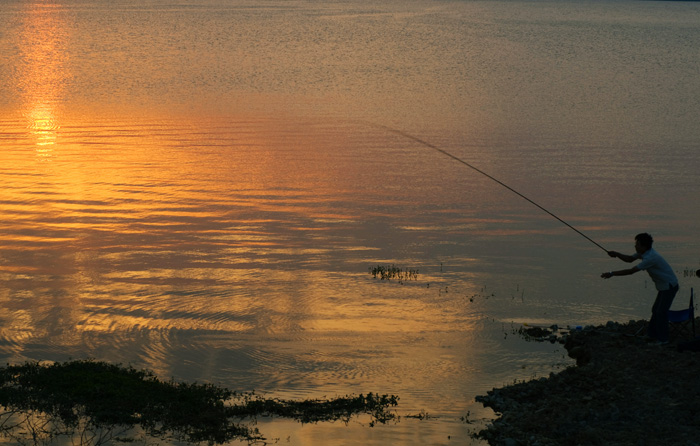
[623,257]
[622,272]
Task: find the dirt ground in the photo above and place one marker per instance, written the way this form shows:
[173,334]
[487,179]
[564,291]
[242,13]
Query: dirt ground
[624,390]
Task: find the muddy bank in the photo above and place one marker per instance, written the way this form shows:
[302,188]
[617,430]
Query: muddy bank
[624,390]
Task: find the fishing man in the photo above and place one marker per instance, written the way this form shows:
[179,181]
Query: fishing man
[663,276]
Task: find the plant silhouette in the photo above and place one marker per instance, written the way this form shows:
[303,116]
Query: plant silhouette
[94,403]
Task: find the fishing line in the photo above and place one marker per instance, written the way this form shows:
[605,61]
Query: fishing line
[456,158]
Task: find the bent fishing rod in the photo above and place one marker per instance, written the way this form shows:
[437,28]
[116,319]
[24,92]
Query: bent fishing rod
[460,160]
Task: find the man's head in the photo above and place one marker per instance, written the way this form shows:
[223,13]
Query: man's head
[643,242]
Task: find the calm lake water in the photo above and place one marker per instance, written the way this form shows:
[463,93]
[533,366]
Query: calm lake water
[201,188]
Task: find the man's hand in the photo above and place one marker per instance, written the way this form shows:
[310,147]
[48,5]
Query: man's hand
[606,275]
[613,254]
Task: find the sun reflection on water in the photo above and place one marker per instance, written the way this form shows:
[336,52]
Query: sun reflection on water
[44,126]
[43,73]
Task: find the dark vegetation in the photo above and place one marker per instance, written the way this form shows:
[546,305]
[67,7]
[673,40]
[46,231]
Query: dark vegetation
[94,403]
[390,272]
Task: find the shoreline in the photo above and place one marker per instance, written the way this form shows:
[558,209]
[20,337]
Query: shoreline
[623,390]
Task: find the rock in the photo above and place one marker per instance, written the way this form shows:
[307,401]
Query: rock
[581,354]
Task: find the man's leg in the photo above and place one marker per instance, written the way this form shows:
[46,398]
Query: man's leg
[658,325]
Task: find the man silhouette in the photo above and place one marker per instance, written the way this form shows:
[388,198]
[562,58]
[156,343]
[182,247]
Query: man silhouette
[664,279]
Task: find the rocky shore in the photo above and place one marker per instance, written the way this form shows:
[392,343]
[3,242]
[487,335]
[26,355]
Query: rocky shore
[624,390]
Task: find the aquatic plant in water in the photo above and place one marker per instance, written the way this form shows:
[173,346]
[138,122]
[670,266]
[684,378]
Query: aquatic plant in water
[393,272]
[94,403]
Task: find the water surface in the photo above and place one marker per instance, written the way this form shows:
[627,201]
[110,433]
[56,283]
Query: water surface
[200,188]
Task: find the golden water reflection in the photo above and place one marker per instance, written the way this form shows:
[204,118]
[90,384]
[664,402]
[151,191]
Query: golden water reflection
[232,245]
[44,126]
[43,70]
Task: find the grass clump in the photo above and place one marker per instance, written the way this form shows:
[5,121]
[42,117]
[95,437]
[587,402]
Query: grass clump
[390,272]
[96,402]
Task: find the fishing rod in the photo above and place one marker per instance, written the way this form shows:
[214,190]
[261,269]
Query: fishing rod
[456,158]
